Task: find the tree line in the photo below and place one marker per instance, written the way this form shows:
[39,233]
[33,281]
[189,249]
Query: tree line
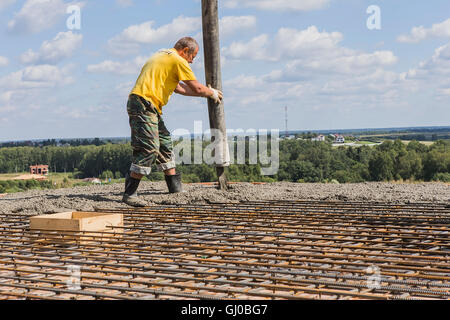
[392,160]
[62,142]
[300,161]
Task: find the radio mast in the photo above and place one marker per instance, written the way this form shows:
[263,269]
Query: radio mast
[286,119]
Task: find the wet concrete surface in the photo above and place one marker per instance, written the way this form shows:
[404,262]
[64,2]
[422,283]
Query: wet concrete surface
[109,196]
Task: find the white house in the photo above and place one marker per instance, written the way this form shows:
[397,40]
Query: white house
[319,138]
[339,139]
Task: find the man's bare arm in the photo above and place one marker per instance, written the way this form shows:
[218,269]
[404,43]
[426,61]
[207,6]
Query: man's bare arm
[193,88]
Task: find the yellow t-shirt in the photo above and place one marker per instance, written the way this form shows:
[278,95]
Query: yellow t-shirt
[160,76]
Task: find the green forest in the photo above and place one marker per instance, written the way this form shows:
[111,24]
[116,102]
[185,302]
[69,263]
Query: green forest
[300,161]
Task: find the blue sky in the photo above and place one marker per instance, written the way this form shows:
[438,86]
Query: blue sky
[318,57]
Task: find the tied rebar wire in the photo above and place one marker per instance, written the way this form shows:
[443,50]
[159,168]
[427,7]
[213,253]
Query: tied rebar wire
[252,250]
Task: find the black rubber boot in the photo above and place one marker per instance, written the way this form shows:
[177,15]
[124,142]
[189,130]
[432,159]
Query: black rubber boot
[174,183]
[130,195]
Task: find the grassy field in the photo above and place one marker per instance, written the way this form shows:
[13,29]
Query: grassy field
[427,143]
[365,142]
[440,135]
[10,184]
[10,176]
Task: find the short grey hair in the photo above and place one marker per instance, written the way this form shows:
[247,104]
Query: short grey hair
[187,42]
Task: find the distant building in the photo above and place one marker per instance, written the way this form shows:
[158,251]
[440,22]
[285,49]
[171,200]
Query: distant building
[319,138]
[59,144]
[93,180]
[339,139]
[41,169]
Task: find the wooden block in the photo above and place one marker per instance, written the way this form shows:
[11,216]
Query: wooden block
[77,227]
[77,221]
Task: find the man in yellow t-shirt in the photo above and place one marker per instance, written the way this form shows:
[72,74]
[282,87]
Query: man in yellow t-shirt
[165,72]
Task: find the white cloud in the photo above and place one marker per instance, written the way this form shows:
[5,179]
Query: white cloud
[65,112]
[353,63]
[445,91]
[443,52]
[278,5]
[120,68]
[52,52]
[3,61]
[6,3]
[231,24]
[41,76]
[432,75]
[330,92]
[6,109]
[124,88]
[26,90]
[124,3]
[293,43]
[377,82]
[38,15]
[287,43]
[308,49]
[129,40]
[5,96]
[255,49]
[438,66]
[5,102]
[317,69]
[418,34]
[247,82]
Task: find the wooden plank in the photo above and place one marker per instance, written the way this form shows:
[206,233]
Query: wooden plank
[88,227]
[76,221]
[97,223]
[61,215]
[85,214]
[58,221]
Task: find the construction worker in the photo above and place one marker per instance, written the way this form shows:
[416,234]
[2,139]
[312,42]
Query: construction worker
[165,72]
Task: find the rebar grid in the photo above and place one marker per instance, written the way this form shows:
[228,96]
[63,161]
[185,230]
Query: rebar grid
[253,250]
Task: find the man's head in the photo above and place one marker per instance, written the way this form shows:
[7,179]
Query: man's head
[187,48]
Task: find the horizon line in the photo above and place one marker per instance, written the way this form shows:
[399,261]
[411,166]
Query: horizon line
[282,132]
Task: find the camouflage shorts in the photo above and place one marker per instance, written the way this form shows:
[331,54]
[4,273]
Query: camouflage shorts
[150,139]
